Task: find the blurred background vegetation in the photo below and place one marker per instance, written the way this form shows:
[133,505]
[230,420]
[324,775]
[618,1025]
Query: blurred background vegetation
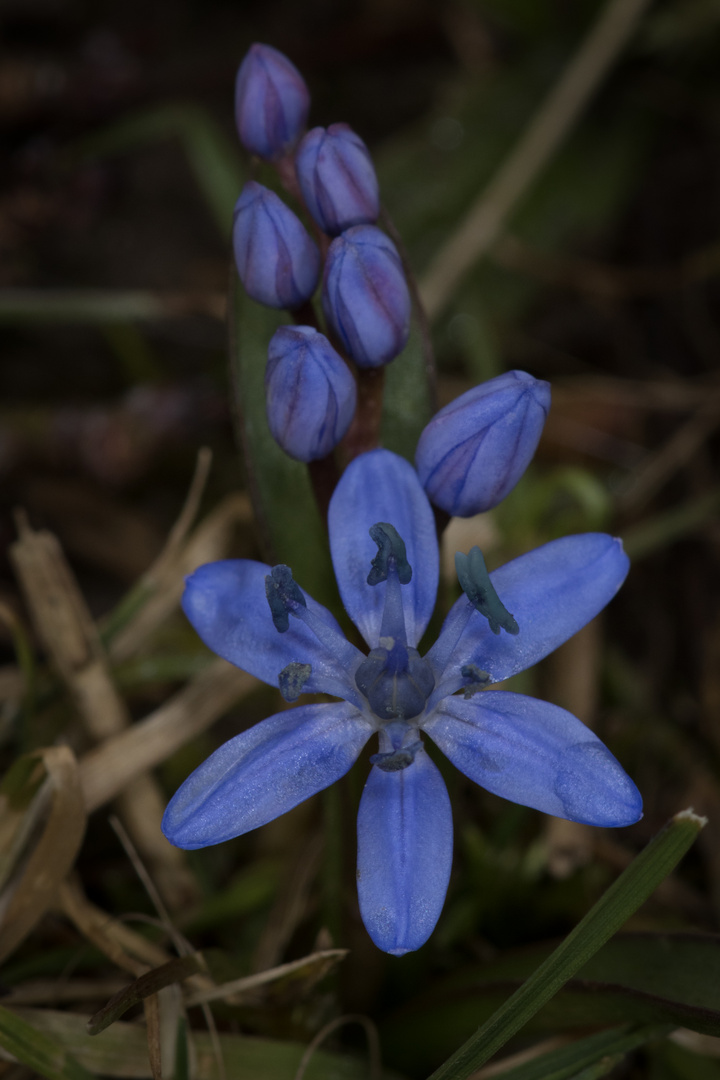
[120,169]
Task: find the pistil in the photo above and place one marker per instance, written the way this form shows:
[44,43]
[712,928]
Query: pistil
[394,679]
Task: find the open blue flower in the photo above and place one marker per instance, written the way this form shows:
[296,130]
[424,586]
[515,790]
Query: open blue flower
[526,750]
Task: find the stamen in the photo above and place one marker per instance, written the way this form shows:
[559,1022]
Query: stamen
[285,598]
[391,553]
[396,760]
[283,595]
[478,679]
[292,679]
[477,586]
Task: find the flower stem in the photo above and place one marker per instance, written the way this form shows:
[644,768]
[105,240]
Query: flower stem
[364,433]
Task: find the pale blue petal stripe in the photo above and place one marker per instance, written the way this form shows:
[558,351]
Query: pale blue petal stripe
[404,854]
[552,592]
[535,754]
[226,603]
[264,772]
[380,486]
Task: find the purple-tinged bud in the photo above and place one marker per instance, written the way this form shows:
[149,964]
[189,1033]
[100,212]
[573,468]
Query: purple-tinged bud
[278,262]
[337,179]
[310,392]
[365,297]
[271,102]
[474,451]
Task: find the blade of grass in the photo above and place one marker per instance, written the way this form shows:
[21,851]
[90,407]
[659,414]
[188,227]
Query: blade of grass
[40,1051]
[613,909]
[591,1053]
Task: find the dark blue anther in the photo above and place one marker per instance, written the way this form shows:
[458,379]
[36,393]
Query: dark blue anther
[292,679]
[283,596]
[475,583]
[396,760]
[391,552]
[479,679]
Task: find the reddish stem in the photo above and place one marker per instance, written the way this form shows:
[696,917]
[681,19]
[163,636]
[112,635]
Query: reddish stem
[364,433]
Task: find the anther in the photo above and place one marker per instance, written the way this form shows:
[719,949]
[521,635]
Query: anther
[283,595]
[292,679]
[479,679]
[396,760]
[391,552]
[475,583]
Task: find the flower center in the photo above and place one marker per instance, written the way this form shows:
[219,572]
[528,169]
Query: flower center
[394,678]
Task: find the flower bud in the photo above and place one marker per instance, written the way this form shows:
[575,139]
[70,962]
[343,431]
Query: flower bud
[278,263]
[474,451]
[271,102]
[365,297]
[310,393]
[337,178]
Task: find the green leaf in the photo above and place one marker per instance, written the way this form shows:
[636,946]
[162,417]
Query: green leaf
[637,978]
[288,520]
[588,1058]
[121,1050]
[604,919]
[46,1055]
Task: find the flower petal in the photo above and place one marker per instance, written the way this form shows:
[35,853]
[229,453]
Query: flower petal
[404,854]
[226,603]
[552,592]
[264,772]
[535,754]
[380,486]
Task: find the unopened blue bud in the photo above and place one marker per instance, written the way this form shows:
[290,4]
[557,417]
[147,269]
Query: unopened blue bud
[365,297]
[278,263]
[337,178]
[474,451]
[310,392]
[271,102]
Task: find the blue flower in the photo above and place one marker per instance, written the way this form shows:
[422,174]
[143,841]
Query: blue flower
[520,748]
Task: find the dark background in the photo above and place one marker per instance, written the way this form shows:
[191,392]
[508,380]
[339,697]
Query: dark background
[608,286]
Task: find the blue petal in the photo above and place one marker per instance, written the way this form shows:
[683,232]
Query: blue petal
[380,486]
[537,755]
[552,592]
[264,772]
[226,603]
[404,854]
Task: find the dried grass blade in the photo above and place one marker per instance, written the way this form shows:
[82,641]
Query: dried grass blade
[308,970]
[106,770]
[64,623]
[53,856]
[146,985]
[152,1023]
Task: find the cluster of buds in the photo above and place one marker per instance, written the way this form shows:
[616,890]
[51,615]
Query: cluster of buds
[473,452]
[311,391]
